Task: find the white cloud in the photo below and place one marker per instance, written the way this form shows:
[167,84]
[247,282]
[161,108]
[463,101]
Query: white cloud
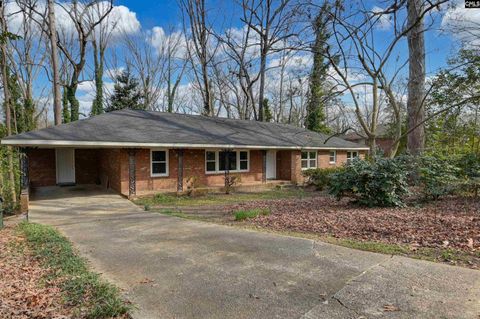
[120,20]
[463,24]
[162,42]
[383,21]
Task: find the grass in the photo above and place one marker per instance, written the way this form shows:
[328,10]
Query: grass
[250,213]
[90,295]
[218,199]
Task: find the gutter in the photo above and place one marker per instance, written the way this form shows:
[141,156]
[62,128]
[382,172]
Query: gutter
[101,144]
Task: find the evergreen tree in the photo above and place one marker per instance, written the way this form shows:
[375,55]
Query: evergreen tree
[315,119]
[126,93]
[267,111]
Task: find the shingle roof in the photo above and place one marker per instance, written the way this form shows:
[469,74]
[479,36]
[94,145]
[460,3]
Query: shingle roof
[133,128]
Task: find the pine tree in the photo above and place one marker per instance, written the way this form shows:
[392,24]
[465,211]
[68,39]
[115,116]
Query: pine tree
[315,119]
[126,93]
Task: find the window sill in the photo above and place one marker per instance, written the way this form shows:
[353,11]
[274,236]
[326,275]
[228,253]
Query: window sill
[223,172]
[158,175]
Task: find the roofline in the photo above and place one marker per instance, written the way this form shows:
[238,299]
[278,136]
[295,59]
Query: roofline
[99,144]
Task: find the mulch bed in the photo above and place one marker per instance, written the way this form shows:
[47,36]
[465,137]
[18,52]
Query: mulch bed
[446,223]
[24,292]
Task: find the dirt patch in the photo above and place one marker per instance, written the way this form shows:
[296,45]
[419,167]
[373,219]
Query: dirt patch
[24,291]
[446,223]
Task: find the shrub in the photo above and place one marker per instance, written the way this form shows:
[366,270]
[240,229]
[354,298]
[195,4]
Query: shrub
[251,213]
[438,176]
[381,182]
[320,177]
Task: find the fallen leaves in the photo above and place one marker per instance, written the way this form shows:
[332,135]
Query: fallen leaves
[24,292]
[446,223]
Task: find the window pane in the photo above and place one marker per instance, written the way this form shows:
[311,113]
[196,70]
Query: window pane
[210,166]
[355,154]
[313,155]
[232,158]
[221,161]
[349,154]
[159,168]
[210,156]
[244,165]
[304,155]
[158,156]
[304,163]
[243,155]
[313,163]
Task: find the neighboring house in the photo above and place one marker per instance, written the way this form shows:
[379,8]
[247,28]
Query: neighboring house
[140,152]
[384,139]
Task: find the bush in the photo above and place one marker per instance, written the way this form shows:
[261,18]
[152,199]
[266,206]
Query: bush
[381,182]
[438,176]
[320,177]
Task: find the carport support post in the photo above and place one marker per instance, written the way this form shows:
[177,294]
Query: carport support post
[180,171]
[132,182]
[24,181]
[264,165]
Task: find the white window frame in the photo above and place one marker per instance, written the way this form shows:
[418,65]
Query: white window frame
[167,159]
[352,157]
[334,157]
[217,162]
[308,159]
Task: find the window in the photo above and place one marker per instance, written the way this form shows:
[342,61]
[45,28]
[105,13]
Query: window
[351,155]
[211,162]
[333,157]
[159,163]
[216,161]
[309,159]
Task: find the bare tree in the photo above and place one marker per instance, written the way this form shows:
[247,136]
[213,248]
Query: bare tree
[57,97]
[360,63]
[27,57]
[272,21]
[416,81]
[80,15]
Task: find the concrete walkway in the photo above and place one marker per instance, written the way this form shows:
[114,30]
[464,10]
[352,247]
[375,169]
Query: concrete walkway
[175,268]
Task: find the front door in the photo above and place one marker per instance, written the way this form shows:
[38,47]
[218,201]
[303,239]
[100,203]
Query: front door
[65,159]
[271,164]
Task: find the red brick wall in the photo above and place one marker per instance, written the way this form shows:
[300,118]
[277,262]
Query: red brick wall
[41,167]
[86,166]
[109,168]
[194,165]
[284,162]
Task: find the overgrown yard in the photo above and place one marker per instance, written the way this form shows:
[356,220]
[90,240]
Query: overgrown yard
[445,230]
[42,277]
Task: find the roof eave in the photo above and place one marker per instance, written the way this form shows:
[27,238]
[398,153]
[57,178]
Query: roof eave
[107,144]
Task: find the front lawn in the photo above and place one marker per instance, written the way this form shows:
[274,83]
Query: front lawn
[442,230]
[43,277]
[172,200]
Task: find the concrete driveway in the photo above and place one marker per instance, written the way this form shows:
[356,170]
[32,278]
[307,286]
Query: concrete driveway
[176,268]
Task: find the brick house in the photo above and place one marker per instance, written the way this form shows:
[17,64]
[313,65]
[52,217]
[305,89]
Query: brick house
[140,152]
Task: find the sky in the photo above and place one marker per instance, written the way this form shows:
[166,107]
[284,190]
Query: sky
[158,17]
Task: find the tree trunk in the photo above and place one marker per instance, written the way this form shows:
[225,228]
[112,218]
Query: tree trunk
[7,100]
[416,83]
[57,95]
[261,90]
[98,61]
